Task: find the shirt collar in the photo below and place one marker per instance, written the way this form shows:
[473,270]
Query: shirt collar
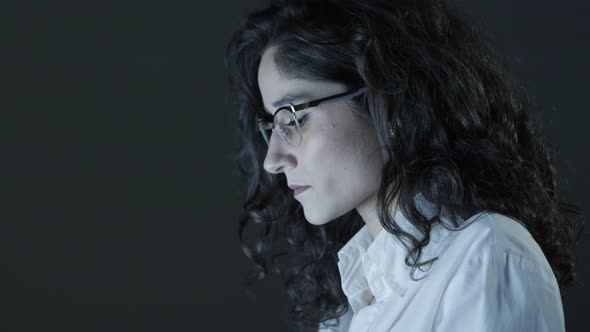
[377,267]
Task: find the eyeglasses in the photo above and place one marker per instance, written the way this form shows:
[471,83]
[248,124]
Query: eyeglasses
[287,123]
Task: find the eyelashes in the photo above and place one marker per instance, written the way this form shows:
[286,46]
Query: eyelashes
[303,119]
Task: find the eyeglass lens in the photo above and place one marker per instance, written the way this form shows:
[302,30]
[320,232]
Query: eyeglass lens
[287,125]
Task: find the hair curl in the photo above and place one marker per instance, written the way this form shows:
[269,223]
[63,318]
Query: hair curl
[462,136]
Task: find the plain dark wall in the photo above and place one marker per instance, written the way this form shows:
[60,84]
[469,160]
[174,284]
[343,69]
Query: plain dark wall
[117,127]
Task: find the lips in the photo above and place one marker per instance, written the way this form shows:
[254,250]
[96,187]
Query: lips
[299,190]
[295,186]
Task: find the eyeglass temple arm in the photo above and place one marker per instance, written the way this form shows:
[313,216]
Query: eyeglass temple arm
[344,95]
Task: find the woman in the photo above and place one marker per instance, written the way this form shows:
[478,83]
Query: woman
[379,137]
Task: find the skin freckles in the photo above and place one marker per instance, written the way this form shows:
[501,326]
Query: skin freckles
[336,157]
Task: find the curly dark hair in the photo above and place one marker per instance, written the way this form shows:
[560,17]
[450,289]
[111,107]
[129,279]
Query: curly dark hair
[462,136]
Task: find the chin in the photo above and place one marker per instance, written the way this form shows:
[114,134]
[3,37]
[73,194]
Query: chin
[319,219]
[318,223]
[315,220]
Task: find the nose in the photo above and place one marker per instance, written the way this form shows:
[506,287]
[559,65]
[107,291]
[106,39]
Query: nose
[279,155]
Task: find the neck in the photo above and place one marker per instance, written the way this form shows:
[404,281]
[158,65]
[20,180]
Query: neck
[368,211]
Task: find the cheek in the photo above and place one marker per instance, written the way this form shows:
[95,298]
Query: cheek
[339,159]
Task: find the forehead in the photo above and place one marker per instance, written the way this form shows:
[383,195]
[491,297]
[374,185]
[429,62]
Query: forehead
[277,89]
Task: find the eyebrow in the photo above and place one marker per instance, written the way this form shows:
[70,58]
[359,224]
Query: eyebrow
[289,98]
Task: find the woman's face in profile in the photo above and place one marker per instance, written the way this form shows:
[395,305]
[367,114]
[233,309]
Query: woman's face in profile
[338,157]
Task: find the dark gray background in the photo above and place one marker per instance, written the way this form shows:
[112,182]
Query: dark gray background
[120,204]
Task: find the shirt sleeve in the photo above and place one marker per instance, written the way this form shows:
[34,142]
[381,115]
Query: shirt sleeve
[501,292]
[342,327]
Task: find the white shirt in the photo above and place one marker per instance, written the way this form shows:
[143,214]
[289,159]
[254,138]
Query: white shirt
[491,276]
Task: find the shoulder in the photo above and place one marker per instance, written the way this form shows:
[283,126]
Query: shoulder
[499,234]
[497,264]
[495,275]
[494,239]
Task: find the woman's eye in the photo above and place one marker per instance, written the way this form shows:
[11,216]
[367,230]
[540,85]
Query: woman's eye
[302,120]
